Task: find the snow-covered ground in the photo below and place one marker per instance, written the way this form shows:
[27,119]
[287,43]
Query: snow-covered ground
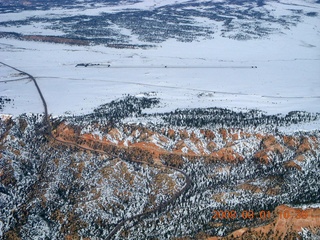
[206,73]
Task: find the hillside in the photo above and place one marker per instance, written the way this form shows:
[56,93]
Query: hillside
[99,170]
[159,119]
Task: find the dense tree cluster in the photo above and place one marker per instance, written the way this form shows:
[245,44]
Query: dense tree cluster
[212,117]
[14,6]
[192,212]
[3,101]
[129,106]
[158,24]
[54,190]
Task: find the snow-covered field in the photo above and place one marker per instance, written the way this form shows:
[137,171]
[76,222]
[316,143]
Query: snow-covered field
[206,73]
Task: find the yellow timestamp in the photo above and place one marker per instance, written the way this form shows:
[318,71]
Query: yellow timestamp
[263,214]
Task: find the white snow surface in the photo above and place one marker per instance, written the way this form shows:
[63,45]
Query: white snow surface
[1,228]
[206,73]
[305,206]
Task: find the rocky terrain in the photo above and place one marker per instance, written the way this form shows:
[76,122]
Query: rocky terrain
[103,168]
[139,119]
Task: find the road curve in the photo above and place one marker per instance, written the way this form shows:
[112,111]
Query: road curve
[137,217]
[46,115]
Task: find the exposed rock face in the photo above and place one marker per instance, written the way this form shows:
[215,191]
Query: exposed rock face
[270,146]
[172,146]
[304,146]
[55,39]
[95,173]
[290,141]
[292,164]
[227,154]
[73,189]
[215,145]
